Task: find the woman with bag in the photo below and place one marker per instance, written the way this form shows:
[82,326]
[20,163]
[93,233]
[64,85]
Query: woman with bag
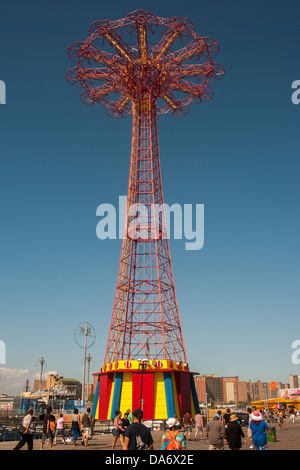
[259,428]
[118,429]
[76,426]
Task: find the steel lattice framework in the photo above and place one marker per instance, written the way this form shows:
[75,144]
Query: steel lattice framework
[144,65]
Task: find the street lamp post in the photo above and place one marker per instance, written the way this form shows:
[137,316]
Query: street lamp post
[143,365]
[86,330]
[88,360]
[42,363]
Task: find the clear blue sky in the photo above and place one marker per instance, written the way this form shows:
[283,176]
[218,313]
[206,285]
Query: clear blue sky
[237,154]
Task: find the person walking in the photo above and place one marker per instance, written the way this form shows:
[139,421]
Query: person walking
[76,426]
[292,415]
[172,439]
[118,429]
[259,428]
[60,431]
[215,433]
[125,424]
[125,421]
[129,415]
[219,412]
[280,419]
[26,432]
[198,425]
[226,417]
[234,433]
[47,432]
[137,435]
[87,427]
[188,425]
[249,431]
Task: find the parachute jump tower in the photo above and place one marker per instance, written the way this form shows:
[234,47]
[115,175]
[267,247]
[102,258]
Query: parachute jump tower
[145,66]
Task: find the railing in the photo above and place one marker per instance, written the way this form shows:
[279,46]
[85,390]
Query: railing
[12,433]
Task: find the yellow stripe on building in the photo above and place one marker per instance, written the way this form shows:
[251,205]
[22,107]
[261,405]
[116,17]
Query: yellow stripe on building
[160,402]
[111,398]
[126,394]
[97,408]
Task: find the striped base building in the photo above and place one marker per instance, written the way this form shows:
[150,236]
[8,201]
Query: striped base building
[162,390]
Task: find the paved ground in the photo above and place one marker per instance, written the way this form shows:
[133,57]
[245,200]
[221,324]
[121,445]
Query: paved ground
[288,439]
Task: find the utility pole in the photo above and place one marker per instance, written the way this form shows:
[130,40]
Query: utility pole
[86,330]
[88,360]
[41,362]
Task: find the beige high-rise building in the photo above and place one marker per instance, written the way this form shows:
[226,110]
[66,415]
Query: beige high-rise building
[245,393]
[294,381]
[230,389]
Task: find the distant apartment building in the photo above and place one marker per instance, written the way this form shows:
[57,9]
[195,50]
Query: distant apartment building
[259,390]
[214,389]
[244,392]
[89,389]
[231,390]
[200,384]
[294,381]
[36,385]
[71,386]
[50,382]
[218,389]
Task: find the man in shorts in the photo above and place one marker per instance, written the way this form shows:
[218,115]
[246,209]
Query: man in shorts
[188,425]
[26,433]
[198,425]
[47,432]
[87,424]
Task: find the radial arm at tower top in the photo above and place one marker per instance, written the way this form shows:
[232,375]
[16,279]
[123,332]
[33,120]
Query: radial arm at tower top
[123,62]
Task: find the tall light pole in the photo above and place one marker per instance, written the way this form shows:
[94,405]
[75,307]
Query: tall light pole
[143,364]
[206,404]
[88,360]
[42,363]
[87,331]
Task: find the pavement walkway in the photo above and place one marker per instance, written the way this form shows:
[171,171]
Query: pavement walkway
[288,439]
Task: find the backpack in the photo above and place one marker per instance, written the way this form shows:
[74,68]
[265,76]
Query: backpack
[52,426]
[173,444]
[140,444]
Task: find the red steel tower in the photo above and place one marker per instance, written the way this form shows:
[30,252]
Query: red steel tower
[145,66]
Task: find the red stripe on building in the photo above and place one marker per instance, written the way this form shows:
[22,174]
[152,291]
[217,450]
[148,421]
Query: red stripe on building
[148,395]
[104,395]
[136,390]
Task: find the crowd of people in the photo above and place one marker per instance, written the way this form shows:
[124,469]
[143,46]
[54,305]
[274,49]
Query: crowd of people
[53,428]
[224,429]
